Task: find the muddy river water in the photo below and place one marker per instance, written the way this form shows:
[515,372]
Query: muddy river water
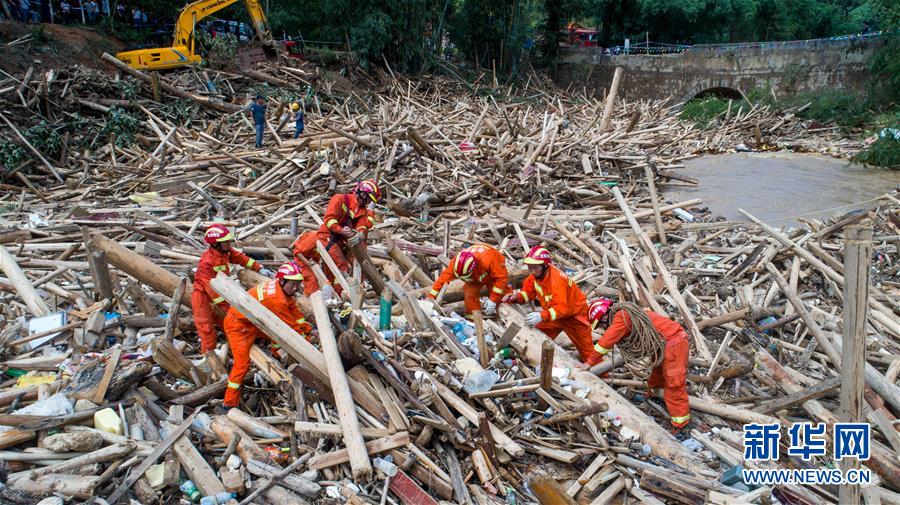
[776,187]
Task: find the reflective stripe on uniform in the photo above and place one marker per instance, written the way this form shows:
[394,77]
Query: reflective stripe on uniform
[331,222]
[552,314]
[234,385]
[539,289]
[524,296]
[217,300]
[276,346]
[497,290]
[259,292]
[434,292]
[250,262]
[220,268]
[602,350]
[301,320]
[681,419]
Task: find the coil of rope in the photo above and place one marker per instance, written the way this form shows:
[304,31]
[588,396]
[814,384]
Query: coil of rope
[643,348]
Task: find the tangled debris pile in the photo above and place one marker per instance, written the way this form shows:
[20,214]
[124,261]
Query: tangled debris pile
[105,203]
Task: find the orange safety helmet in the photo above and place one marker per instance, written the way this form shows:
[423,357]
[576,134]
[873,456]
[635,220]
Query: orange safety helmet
[464,264]
[369,187]
[289,271]
[217,233]
[597,309]
[538,255]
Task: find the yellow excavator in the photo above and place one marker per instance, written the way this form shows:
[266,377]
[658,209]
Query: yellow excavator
[184,51]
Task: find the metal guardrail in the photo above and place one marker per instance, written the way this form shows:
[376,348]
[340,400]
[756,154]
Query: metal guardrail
[662,48]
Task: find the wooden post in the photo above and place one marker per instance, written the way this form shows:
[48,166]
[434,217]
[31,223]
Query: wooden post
[547,349]
[102,282]
[353,439]
[857,253]
[26,291]
[611,98]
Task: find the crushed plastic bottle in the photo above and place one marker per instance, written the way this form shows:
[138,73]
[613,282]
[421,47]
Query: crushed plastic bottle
[190,490]
[481,381]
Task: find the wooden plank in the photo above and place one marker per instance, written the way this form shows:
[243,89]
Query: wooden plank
[107,375]
[196,466]
[379,446]
[329,429]
[654,200]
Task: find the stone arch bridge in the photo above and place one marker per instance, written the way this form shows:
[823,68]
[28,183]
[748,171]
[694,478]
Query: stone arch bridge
[727,69]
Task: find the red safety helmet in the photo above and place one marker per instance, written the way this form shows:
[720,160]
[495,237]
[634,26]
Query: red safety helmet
[369,188]
[464,264]
[538,255]
[598,309]
[217,233]
[289,271]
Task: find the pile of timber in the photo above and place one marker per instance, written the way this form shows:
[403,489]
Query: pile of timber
[97,248]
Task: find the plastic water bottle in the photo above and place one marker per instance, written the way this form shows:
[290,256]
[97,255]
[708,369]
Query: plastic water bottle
[481,381]
[190,490]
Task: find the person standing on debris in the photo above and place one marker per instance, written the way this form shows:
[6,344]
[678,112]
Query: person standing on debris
[564,305]
[210,308]
[648,336]
[477,266]
[258,111]
[347,222]
[298,119]
[276,295]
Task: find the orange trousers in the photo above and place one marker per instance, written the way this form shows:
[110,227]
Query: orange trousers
[240,340]
[671,375]
[206,318]
[578,330]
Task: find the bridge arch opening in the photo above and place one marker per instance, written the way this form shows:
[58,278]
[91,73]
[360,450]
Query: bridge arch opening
[721,92]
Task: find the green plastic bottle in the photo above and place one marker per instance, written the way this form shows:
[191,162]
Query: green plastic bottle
[384,312]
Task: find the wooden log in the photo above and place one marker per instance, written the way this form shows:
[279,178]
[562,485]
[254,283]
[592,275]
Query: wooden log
[140,268]
[326,429]
[292,481]
[611,98]
[811,393]
[654,200]
[23,286]
[547,351]
[529,342]
[309,358]
[407,264]
[253,426]
[226,429]
[76,486]
[340,388]
[372,274]
[102,281]
[202,395]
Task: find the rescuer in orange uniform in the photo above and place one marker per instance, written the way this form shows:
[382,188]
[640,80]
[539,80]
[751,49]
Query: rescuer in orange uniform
[565,307]
[210,308]
[276,295]
[477,266]
[671,375]
[347,221]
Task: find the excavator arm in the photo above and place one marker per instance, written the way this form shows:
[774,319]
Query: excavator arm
[183,51]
